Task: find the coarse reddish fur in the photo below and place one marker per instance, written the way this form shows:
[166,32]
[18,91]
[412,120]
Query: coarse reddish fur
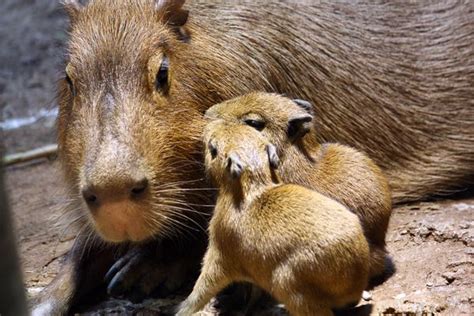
[393,79]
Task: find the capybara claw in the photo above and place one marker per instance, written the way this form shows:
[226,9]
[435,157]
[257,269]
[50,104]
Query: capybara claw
[127,273]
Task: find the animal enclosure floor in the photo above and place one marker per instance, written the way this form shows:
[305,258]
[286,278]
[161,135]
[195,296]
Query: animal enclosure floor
[432,245]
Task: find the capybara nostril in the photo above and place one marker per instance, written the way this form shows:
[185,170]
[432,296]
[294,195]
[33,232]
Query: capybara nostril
[114,189]
[234,166]
[139,188]
[89,196]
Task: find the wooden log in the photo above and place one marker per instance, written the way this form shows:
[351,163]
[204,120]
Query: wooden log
[37,153]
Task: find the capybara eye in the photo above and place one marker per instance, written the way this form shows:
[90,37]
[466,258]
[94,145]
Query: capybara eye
[258,125]
[161,82]
[212,151]
[70,84]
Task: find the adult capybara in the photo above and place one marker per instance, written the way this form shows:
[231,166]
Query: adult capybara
[393,79]
[337,171]
[306,249]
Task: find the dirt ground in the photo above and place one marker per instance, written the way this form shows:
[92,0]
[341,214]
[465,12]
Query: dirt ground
[432,245]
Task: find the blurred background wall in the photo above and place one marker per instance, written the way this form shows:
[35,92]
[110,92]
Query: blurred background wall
[32,36]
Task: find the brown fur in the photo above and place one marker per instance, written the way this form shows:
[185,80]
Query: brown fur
[335,170]
[393,79]
[304,248]
[113,132]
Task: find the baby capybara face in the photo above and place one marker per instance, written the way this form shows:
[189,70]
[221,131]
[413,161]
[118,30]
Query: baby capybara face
[234,151]
[125,151]
[279,119]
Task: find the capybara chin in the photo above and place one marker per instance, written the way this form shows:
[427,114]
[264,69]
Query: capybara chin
[140,74]
[304,248]
[340,172]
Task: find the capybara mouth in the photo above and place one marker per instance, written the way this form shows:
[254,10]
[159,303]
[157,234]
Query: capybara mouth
[163,211]
[121,221]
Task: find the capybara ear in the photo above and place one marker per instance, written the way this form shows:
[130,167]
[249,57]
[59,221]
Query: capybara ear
[234,166]
[299,125]
[273,156]
[305,105]
[210,113]
[173,14]
[72,7]
[211,146]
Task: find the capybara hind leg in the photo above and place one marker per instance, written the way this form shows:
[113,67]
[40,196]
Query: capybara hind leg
[377,262]
[211,281]
[381,266]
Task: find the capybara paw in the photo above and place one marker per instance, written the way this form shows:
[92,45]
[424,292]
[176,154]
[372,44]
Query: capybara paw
[125,275]
[140,274]
[387,270]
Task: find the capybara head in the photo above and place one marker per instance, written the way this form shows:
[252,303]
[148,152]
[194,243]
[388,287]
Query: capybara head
[236,153]
[128,156]
[279,119]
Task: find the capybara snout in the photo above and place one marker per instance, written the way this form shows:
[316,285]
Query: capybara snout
[117,173]
[124,174]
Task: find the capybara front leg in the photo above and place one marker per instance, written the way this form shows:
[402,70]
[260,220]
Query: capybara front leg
[211,281]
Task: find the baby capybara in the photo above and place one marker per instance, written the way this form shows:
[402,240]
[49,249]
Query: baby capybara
[304,248]
[338,171]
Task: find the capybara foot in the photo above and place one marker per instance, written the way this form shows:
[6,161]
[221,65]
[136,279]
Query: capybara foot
[386,272]
[141,273]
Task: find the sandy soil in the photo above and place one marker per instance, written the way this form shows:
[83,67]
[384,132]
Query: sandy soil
[432,244]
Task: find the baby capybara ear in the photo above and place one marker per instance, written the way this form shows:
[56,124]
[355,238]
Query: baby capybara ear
[273,156]
[299,125]
[234,166]
[211,146]
[305,105]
